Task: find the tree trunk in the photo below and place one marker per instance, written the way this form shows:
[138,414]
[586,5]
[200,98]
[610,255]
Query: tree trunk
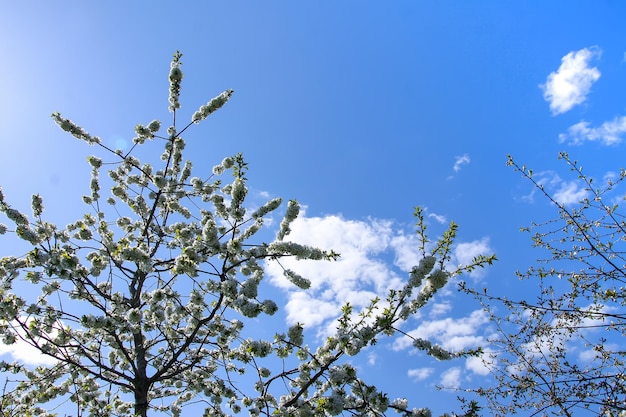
[142,384]
[141,399]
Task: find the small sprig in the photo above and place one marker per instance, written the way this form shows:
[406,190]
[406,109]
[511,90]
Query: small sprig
[213,105]
[75,130]
[175,77]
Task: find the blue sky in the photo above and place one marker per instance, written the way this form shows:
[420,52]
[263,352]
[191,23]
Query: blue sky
[360,110]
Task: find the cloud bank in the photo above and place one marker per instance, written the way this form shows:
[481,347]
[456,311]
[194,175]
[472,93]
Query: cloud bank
[453,334]
[609,133]
[375,257]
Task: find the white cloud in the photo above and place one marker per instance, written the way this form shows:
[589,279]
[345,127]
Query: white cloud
[587,356]
[451,378]
[374,259]
[304,307]
[570,84]
[609,133]
[539,347]
[24,353]
[557,338]
[477,365]
[454,334]
[439,309]
[563,192]
[406,249]
[359,275]
[588,353]
[438,218]
[460,161]
[570,192]
[465,252]
[420,374]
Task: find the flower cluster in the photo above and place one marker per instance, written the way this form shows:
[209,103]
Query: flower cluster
[226,163]
[293,209]
[213,105]
[418,273]
[297,279]
[75,130]
[433,350]
[175,78]
[300,251]
[146,132]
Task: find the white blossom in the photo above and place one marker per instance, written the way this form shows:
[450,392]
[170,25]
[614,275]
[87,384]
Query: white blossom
[293,209]
[213,105]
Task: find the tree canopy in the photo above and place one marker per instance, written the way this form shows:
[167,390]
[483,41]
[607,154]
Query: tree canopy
[562,352]
[143,304]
